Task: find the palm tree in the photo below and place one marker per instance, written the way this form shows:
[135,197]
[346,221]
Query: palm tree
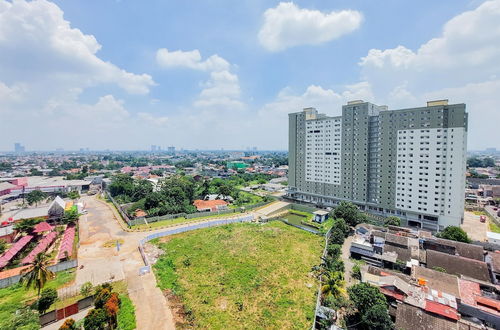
[37,274]
[333,283]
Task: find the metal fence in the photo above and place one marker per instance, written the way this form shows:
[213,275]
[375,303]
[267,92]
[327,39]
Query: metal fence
[183,229]
[8,281]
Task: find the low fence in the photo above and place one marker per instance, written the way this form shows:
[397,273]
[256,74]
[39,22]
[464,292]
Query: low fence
[8,281]
[62,313]
[183,229]
[303,208]
[145,220]
[318,298]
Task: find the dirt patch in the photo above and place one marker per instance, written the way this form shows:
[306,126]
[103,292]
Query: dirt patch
[182,317]
[112,243]
[153,252]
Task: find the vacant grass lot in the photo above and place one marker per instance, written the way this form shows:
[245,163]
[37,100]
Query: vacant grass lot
[243,275]
[16,296]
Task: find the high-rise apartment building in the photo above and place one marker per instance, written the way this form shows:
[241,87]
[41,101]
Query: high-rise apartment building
[409,163]
[18,147]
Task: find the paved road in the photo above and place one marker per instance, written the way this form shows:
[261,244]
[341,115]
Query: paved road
[100,264]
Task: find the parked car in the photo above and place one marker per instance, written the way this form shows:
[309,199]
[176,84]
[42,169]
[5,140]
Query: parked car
[482,218]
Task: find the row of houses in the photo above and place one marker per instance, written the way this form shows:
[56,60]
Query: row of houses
[430,283]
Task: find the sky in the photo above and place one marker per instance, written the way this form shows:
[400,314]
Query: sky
[124,75]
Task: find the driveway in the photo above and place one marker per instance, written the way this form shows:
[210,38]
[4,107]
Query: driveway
[100,226]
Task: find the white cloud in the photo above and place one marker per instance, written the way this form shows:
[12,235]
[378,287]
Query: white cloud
[190,59]
[287,25]
[461,65]
[153,120]
[222,90]
[39,46]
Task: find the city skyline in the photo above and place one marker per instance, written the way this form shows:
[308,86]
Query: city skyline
[123,76]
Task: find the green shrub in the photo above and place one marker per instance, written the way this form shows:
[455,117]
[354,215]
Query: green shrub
[126,314]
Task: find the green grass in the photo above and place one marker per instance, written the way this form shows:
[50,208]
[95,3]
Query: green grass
[243,275]
[494,227]
[176,221]
[126,314]
[16,296]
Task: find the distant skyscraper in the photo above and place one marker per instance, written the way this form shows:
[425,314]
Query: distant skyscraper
[153,148]
[18,147]
[409,163]
[171,150]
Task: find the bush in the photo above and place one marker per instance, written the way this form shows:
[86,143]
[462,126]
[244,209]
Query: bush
[24,319]
[356,272]
[126,314]
[101,297]
[69,324]
[86,289]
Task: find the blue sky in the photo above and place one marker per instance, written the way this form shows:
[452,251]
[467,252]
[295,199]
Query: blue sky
[224,74]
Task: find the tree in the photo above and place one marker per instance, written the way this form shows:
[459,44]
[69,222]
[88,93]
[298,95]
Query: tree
[96,319]
[111,307]
[392,221]
[333,283]
[454,233]
[35,196]
[342,226]
[35,172]
[365,296]
[26,225]
[86,289]
[349,212]
[377,318]
[3,246]
[356,272]
[102,297]
[70,216]
[337,237]
[47,298]
[371,307]
[37,274]
[73,195]
[69,324]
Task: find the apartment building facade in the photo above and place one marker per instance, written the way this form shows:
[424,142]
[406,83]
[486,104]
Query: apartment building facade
[409,162]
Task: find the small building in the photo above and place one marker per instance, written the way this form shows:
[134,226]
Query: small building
[320,216]
[493,237]
[210,206]
[57,208]
[7,233]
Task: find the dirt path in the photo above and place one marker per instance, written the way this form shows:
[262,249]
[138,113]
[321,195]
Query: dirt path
[347,262]
[101,263]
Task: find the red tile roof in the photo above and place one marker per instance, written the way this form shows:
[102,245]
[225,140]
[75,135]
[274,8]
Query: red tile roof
[42,226]
[212,205]
[441,309]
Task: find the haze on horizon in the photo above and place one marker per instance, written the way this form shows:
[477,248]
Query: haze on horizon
[124,75]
